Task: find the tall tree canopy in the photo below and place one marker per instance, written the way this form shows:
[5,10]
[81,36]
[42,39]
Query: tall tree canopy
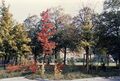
[14,38]
[84,22]
[112,4]
[46,32]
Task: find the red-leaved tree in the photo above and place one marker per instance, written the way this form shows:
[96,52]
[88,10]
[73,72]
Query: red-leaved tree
[46,32]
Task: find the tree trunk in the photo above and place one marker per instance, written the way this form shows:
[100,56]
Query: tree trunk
[87,58]
[44,59]
[16,60]
[43,70]
[107,60]
[5,58]
[35,54]
[55,54]
[119,60]
[84,60]
[48,57]
[65,55]
[35,58]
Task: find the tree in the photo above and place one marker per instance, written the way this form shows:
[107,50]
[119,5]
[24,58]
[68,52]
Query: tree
[111,4]
[61,21]
[6,25]
[108,28]
[66,34]
[14,38]
[33,26]
[109,32]
[84,22]
[46,32]
[21,41]
[68,39]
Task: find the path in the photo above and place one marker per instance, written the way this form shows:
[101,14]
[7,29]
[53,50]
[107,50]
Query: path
[86,79]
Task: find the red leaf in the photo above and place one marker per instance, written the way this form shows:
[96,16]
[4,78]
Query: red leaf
[47,30]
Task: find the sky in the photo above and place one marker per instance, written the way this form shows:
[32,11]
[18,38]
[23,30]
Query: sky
[21,9]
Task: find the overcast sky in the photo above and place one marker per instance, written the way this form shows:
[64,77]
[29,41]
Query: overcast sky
[22,8]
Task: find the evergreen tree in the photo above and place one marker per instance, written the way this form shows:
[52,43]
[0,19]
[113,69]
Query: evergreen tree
[14,38]
[6,25]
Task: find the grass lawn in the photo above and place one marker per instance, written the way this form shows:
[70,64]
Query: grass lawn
[1,68]
[77,72]
[69,73]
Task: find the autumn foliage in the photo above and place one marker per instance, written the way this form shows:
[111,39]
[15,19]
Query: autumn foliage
[12,68]
[60,66]
[47,31]
[23,68]
[33,68]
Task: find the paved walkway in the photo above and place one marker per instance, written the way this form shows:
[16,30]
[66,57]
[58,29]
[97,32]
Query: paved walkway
[86,79]
[100,79]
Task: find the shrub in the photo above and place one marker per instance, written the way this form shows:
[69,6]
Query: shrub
[13,68]
[33,68]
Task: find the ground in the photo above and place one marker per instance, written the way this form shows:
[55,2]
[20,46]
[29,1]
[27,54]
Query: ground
[86,79]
